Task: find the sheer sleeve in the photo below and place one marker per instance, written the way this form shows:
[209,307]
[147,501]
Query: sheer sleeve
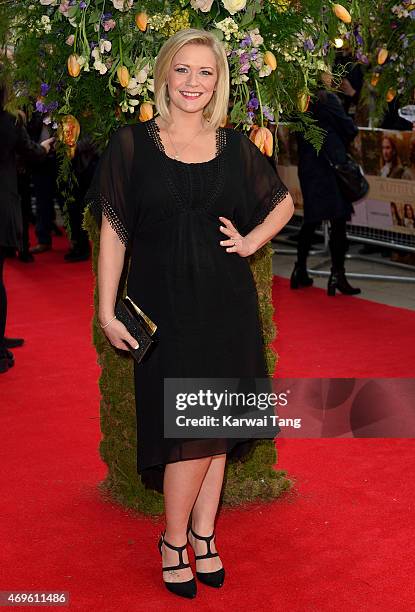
[110,191]
[263,186]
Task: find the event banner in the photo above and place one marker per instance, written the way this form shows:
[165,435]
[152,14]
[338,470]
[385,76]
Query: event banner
[388,161]
[199,408]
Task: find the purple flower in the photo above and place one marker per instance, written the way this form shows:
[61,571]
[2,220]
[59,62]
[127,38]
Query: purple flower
[244,69]
[308,44]
[359,38]
[253,104]
[40,107]
[44,88]
[362,57]
[245,42]
[52,106]
[325,48]
[93,44]
[267,113]
[82,5]
[106,16]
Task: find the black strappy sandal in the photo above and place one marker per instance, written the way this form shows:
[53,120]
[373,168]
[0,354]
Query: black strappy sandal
[213,579]
[184,589]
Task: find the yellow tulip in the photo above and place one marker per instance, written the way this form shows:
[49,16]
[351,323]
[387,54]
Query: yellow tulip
[303,100]
[263,139]
[382,56]
[141,20]
[342,13]
[123,76]
[74,67]
[270,60]
[391,93]
[69,130]
[146,111]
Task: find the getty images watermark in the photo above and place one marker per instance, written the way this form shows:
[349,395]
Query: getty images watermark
[294,408]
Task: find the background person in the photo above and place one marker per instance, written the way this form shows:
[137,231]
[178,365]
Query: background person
[13,140]
[322,197]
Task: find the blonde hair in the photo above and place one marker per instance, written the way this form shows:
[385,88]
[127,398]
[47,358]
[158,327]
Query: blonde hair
[215,111]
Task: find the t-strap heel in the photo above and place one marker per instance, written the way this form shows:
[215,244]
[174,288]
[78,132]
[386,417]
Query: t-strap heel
[213,579]
[184,589]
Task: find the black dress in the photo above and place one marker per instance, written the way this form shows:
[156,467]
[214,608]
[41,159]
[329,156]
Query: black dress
[202,298]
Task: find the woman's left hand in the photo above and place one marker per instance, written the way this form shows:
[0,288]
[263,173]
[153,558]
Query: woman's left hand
[235,242]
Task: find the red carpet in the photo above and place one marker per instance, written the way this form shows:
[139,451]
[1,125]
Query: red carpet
[343,540]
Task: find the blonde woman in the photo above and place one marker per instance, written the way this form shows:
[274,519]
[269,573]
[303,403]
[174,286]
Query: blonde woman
[190,201]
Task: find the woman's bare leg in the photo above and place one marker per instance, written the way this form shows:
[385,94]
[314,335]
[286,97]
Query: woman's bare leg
[182,482]
[204,513]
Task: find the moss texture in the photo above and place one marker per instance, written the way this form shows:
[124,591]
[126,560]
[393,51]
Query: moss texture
[253,479]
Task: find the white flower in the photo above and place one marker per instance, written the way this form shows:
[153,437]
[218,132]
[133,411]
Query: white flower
[242,78]
[81,60]
[150,85]
[133,102]
[48,2]
[123,5]
[95,53]
[100,66]
[256,37]
[44,20]
[47,120]
[228,27]
[104,45]
[70,40]
[48,28]
[141,76]
[264,71]
[234,6]
[124,106]
[133,87]
[201,5]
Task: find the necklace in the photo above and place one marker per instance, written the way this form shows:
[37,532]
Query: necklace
[177,156]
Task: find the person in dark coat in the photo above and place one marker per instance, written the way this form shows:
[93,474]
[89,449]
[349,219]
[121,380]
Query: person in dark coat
[83,164]
[322,197]
[44,178]
[13,140]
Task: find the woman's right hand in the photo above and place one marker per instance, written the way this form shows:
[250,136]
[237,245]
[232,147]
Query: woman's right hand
[116,333]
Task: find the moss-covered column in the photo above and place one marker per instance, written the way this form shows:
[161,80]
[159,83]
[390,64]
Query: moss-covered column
[252,479]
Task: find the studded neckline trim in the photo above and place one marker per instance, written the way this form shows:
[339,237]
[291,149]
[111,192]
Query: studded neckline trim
[154,132]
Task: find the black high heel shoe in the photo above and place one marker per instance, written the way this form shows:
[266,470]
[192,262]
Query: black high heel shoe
[213,579]
[338,280]
[299,277]
[184,589]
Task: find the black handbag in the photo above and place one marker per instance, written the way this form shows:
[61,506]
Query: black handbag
[138,325]
[350,179]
